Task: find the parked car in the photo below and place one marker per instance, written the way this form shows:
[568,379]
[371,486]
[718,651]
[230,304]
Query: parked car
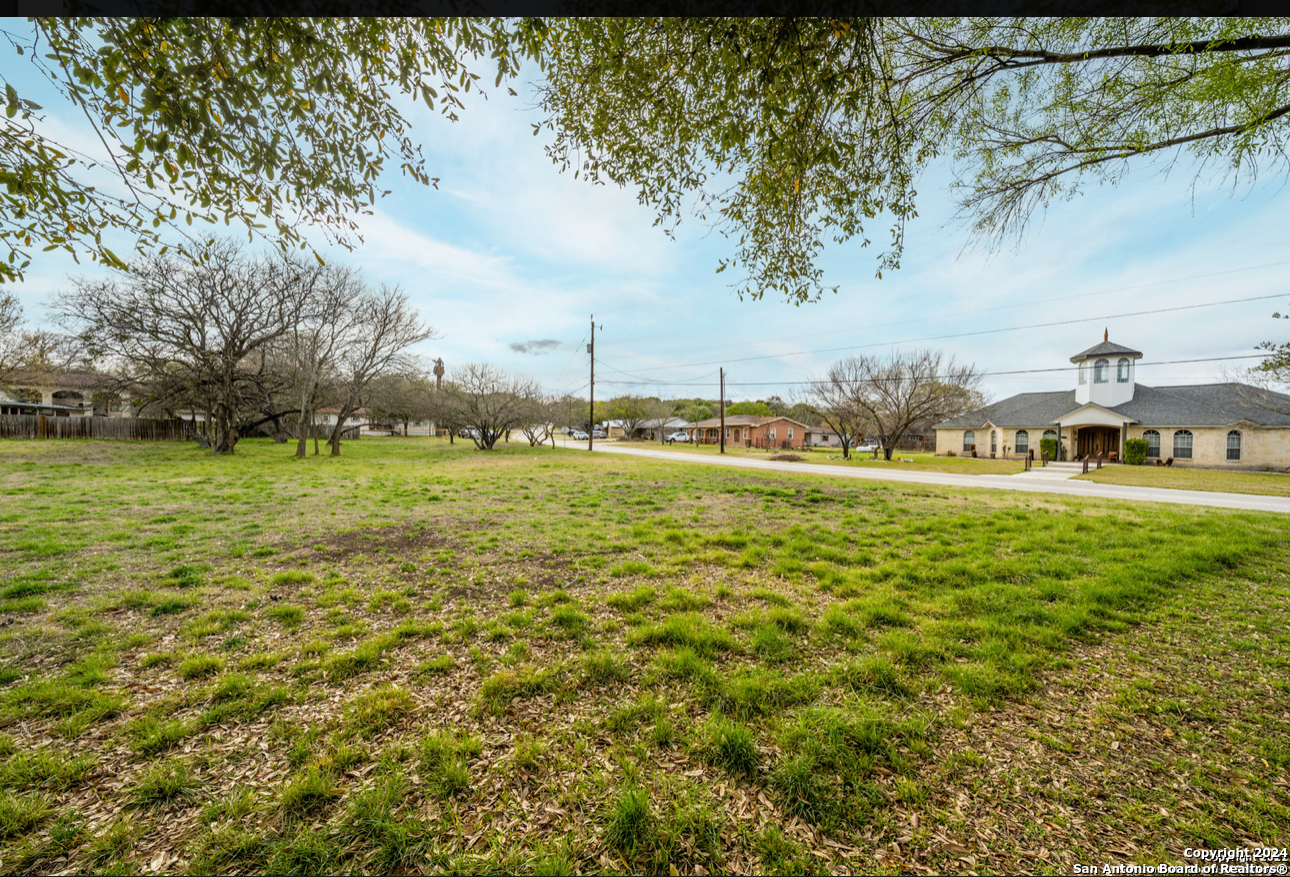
[678,436]
[598,433]
[468,432]
[868,446]
[578,435]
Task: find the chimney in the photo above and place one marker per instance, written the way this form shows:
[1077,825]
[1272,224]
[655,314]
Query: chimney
[1106,335]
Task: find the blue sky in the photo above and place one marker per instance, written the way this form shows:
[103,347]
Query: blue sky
[508,251]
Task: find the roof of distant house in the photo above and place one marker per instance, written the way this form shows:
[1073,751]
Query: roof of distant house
[665,422]
[78,379]
[746,420]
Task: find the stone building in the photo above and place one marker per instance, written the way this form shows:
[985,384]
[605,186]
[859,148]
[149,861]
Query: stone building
[1220,425]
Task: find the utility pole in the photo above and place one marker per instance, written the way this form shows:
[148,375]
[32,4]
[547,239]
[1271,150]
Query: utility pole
[723,410]
[591,416]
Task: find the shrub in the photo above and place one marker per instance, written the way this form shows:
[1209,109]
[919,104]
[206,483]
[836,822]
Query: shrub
[1048,446]
[1135,451]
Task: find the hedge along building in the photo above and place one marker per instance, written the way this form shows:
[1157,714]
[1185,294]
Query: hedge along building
[1226,424]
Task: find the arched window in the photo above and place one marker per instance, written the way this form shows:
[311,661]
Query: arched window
[1083,373]
[1022,442]
[1050,434]
[1153,442]
[1102,371]
[994,442]
[1182,444]
[969,439]
[1122,371]
[1234,445]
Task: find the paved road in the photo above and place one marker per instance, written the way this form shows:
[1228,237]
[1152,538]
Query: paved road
[1124,493]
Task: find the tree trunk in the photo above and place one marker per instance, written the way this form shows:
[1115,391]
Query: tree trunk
[304,427]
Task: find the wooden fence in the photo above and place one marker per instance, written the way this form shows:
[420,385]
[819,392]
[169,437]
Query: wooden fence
[135,429]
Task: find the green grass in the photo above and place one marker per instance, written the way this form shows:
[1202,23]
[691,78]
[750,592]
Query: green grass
[1185,478]
[307,793]
[444,761]
[373,712]
[288,615]
[730,746]
[616,653]
[163,783]
[199,667]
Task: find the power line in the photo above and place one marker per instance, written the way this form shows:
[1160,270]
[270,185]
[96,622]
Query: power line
[1024,371]
[696,379]
[569,361]
[970,334]
[975,311]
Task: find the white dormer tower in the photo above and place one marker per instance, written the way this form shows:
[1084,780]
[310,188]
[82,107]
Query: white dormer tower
[1105,374]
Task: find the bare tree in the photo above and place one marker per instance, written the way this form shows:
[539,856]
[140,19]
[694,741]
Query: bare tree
[539,423]
[307,352]
[834,397]
[10,341]
[489,401]
[659,411]
[29,353]
[568,412]
[403,398]
[384,326]
[892,393]
[194,333]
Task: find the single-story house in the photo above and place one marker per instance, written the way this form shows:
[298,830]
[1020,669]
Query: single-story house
[65,393]
[822,437]
[1228,424]
[751,431]
[657,429]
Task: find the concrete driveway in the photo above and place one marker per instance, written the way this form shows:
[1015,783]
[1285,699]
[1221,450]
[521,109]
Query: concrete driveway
[1120,492]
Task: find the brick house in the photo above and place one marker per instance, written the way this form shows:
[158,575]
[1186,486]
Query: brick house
[751,431]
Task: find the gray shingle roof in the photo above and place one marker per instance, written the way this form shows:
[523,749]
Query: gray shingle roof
[1189,405]
[1106,348]
[1024,409]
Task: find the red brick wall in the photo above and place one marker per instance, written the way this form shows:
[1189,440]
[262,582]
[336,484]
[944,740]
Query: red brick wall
[761,434]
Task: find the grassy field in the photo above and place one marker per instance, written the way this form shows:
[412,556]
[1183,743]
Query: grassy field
[915,461]
[417,658]
[1228,481]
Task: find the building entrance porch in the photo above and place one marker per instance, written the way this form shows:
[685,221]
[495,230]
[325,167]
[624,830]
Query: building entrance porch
[1090,440]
